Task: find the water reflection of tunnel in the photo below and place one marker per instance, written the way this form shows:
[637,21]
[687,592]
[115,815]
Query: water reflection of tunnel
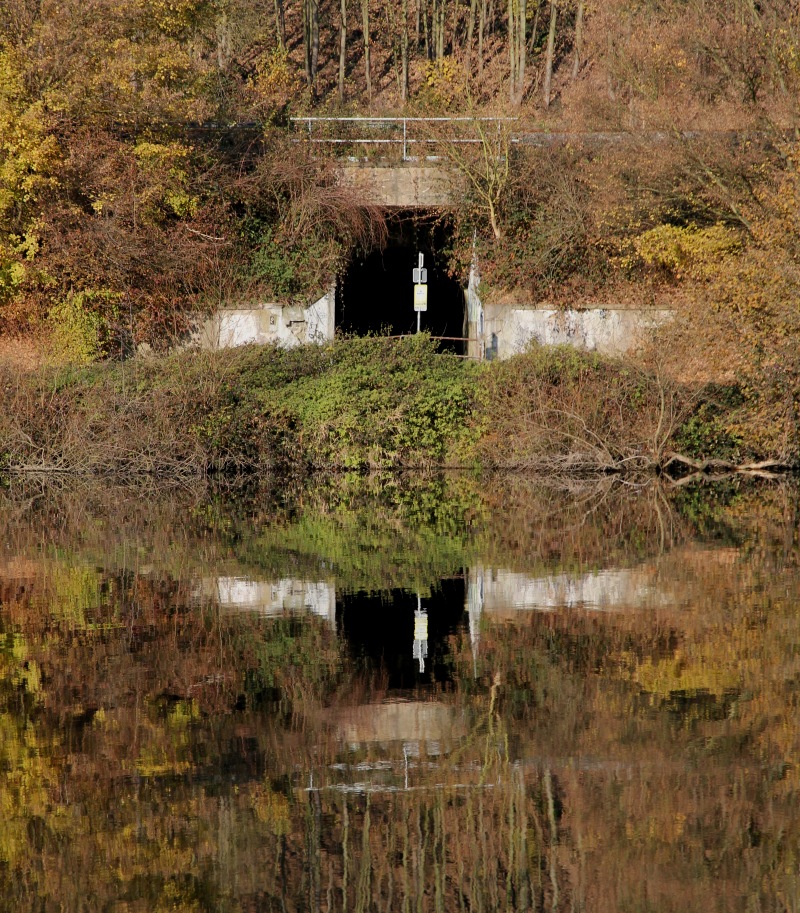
[375,293]
[379,630]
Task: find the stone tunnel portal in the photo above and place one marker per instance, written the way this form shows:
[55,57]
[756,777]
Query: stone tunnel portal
[375,294]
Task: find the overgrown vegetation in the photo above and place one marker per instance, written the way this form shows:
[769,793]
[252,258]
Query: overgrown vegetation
[142,166]
[146,172]
[356,404]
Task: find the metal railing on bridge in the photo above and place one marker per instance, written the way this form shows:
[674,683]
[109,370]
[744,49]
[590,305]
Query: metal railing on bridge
[403,133]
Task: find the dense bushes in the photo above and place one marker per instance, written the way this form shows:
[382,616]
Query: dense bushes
[356,403]
[353,404]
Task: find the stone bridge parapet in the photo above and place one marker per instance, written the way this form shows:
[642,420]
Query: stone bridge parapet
[405,185]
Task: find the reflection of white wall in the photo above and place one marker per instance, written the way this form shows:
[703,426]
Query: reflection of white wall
[263,324]
[501,590]
[273,597]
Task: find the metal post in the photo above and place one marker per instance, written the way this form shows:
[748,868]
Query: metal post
[419,314]
[405,144]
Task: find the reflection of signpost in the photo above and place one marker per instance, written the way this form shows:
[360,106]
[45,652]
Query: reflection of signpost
[420,278]
[420,651]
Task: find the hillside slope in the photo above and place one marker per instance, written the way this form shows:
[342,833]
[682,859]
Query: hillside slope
[147,170]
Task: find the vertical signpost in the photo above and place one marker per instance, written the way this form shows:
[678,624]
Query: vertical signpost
[420,277]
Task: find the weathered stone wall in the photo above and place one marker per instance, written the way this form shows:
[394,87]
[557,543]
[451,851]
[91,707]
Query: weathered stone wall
[408,186]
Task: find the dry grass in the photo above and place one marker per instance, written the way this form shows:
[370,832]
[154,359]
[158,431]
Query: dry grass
[21,353]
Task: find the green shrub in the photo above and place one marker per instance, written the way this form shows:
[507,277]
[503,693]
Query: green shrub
[78,326]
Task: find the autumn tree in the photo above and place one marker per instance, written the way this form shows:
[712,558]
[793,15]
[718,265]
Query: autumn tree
[481,161]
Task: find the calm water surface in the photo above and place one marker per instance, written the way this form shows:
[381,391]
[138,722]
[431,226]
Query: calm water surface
[403,695]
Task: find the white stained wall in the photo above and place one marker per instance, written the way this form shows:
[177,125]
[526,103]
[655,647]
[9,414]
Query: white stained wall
[510,329]
[271,324]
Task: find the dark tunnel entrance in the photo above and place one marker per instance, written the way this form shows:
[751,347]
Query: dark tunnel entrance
[375,293]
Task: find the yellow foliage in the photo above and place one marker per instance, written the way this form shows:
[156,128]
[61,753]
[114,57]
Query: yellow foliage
[12,274]
[77,328]
[174,17]
[667,827]
[75,590]
[28,154]
[706,669]
[443,82]
[687,250]
[275,80]
[28,158]
[17,666]
[271,809]
[175,899]
[166,747]
[24,786]
[165,165]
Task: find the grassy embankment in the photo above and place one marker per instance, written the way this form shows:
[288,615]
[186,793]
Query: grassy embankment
[356,404]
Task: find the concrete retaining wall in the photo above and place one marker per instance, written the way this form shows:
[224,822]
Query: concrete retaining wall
[262,324]
[509,329]
[495,330]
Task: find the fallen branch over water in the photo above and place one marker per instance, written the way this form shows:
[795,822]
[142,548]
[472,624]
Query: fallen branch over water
[769,468]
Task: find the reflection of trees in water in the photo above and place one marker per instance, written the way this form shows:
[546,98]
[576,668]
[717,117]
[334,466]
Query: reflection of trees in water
[160,755]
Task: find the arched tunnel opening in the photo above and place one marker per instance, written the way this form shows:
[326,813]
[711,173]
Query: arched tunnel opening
[375,292]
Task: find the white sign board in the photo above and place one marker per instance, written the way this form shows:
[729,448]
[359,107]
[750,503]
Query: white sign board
[420,297]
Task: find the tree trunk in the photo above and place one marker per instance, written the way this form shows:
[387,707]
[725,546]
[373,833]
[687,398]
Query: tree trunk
[481,32]
[404,53]
[418,25]
[535,27]
[522,47]
[612,94]
[512,50]
[473,10]
[307,41]
[280,24]
[223,41]
[576,63]
[314,10]
[551,47]
[342,45]
[517,48]
[427,27]
[365,26]
[498,234]
[311,41]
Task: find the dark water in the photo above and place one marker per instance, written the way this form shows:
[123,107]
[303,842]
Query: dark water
[411,695]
